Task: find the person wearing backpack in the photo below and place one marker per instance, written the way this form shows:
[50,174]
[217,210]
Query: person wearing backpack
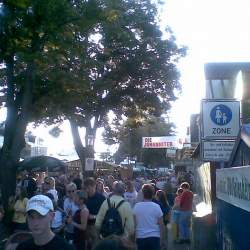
[115,216]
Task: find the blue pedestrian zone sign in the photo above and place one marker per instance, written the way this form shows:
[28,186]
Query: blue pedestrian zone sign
[220,119]
[221,115]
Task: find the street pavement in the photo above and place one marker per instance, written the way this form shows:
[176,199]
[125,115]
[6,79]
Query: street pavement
[174,246]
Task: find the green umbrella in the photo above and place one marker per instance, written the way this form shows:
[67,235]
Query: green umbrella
[42,164]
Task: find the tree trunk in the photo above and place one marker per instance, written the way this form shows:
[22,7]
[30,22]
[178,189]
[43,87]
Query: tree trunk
[90,141]
[15,127]
[9,158]
[80,150]
[88,150]
[8,177]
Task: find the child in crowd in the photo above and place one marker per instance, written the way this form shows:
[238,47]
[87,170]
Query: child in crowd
[131,194]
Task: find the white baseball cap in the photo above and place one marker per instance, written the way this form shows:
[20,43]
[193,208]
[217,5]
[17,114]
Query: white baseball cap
[40,203]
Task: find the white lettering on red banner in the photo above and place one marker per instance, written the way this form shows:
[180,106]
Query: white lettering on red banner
[160,142]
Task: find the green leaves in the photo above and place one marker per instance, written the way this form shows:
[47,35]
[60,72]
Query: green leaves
[90,58]
[129,136]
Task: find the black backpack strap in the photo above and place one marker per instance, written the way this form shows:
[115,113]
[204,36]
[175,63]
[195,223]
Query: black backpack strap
[108,201]
[110,195]
[119,204]
[124,223]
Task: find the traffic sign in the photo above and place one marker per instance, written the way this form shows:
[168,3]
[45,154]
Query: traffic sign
[221,114]
[220,119]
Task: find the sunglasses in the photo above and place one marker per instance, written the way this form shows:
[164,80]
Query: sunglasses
[70,191]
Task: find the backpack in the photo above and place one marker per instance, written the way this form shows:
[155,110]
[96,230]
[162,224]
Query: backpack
[112,222]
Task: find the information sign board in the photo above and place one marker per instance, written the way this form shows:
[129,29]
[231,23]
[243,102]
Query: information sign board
[233,186]
[89,164]
[171,152]
[217,150]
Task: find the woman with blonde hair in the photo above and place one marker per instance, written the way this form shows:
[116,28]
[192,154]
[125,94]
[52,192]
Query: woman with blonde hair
[79,221]
[100,188]
[176,215]
[19,217]
[50,186]
[70,207]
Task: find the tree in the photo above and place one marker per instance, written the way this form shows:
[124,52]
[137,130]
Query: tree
[106,156]
[128,68]
[55,132]
[79,60]
[129,136]
[33,34]
[2,125]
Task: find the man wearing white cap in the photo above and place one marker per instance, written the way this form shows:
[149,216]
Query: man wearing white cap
[39,216]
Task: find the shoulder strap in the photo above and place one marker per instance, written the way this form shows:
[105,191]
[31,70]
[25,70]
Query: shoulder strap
[108,201]
[119,204]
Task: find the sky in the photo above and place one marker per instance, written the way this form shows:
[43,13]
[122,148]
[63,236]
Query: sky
[213,31]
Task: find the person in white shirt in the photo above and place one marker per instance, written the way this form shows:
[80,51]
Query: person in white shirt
[149,225]
[70,207]
[173,181]
[58,222]
[160,183]
[131,194]
[49,186]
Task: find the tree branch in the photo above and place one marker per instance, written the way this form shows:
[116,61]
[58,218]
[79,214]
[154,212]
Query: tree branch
[80,150]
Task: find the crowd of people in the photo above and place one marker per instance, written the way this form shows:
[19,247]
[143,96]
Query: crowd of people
[98,213]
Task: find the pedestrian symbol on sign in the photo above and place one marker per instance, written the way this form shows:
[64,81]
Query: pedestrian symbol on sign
[221,115]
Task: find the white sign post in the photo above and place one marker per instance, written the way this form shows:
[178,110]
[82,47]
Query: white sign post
[89,164]
[217,150]
[220,127]
[220,119]
[171,152]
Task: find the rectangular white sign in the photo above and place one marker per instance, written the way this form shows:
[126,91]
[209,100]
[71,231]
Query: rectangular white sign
[217,150]
[233,186]
[220,119]
[161,142]
[89,164]
[171,152]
